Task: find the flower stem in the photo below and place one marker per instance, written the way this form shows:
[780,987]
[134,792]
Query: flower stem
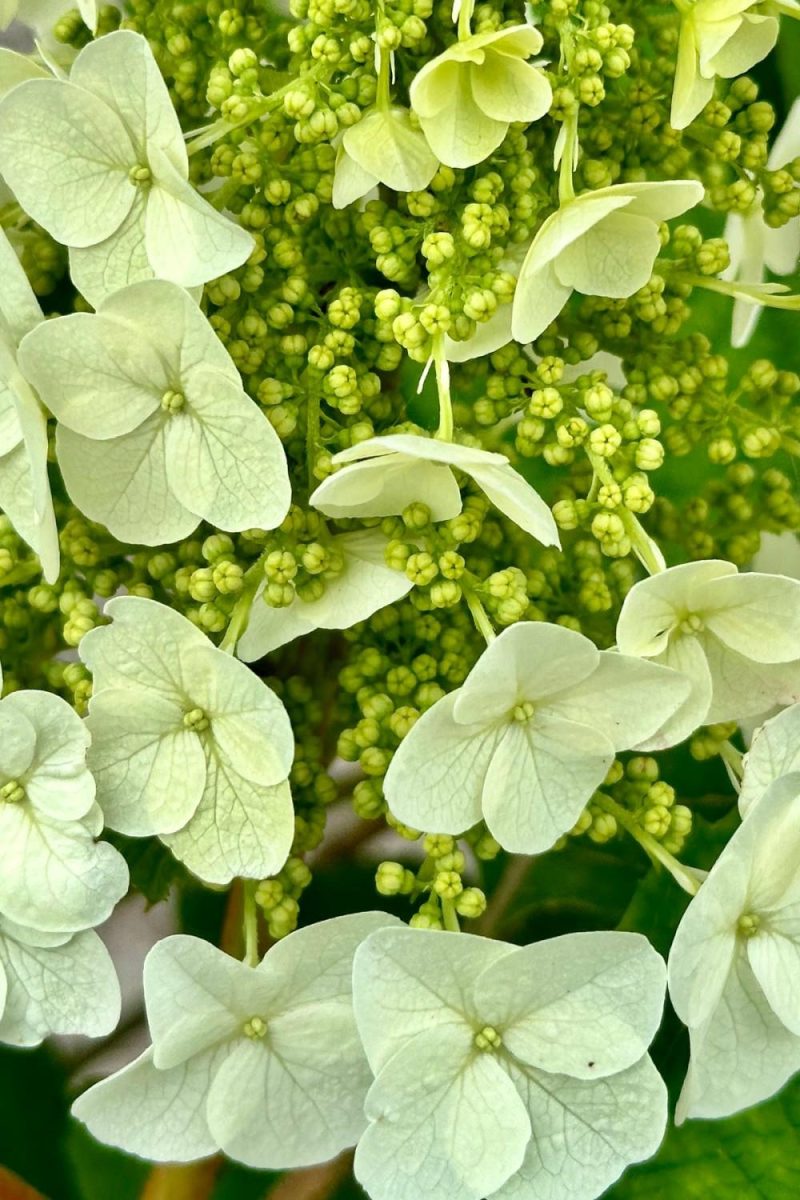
[442,368]
[480,616]
[733,760]
[250,923]
[450,916]
[641,542]
[566,187]
[653,849]
[465,19]
[241,609]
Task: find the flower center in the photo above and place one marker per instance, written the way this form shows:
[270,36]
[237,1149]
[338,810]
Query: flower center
[488,1038]
[255,1028]
[140,175]
[692,623]
[522,712]
[748,924]
[12,792]
[195,720]
[172,401]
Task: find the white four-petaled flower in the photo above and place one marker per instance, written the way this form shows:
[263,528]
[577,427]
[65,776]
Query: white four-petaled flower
[383,475]
[109,178]
[528,737]
[504,1071]
[262,1063]
[383,147]
[736,637]
[601,243]
[188,743]
[155,430]
[734,966]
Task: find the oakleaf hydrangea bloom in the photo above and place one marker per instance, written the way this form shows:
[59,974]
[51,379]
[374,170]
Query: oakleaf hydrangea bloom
[55,876]
[717,37]
[262,1063]
[188,743]
[383,147]
[754,245]
[505,1071]
[383,475]
[467,97]
[734,967]
[54,983]
[528,737]
[601,243]
[24,484]
[155,431]
[774,752]
[109,177]
[364,585]
[736,637]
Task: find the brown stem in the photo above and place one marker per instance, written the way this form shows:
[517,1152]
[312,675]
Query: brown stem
[313,1183]
[516,870]
[192,1182]
[14,1188]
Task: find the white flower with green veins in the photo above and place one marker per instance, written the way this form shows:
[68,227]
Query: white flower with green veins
[467,97]
[55,877]
[264,1064]
[774,752]
[363,586]
[383,147]
[54,983]
[155,430]
[601,243]
[528,738]
[188,744]
[734,966]
[109,177]
[504,1071]
[736,637]
[24,484]
[383,475]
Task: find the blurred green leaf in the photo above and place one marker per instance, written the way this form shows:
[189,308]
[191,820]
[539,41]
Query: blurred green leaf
[100,1171]
[33,1119]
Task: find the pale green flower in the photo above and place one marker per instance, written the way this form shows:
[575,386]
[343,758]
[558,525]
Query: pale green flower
[774,752]
[601,243]
[529,736]
[54,983]
[383,147]
[55,877]
[736,637]
[188,743]
[467,97]
[262,1063]
[364,586]
[385,474]
[109,176]
[155,430]
[504,1071]
[24,484]
[734,967]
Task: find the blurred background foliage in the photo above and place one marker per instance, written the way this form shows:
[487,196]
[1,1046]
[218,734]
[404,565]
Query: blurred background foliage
[44,1155]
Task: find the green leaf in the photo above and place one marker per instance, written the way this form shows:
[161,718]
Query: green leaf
[154,870]
[101,1172]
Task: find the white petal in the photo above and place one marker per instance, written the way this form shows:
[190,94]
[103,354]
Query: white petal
[774,957]
[688,656]
[585,1133]
[15,68]
[615,258]
[159,1115]
[239,828]
[774,751]
[99,271]
[754,614]
[122,483]
[58,782]
[743,688]
[18,304]
[187,240]
[407,982]
[224,459]
[76,185]
[17,741]
[144,646]
[383,487]
[654,606]
[508,89]
[691,91]
[64,989]
[488,337]
[436,776]
[752,41]
[459,134]
[445,1123]
[518,501]
[150,771]
[538,300]
[540,777]
[18,503]
[386,146]
[585,1004]
[350,181]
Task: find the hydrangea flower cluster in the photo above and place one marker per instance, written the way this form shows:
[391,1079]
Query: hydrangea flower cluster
[341,352]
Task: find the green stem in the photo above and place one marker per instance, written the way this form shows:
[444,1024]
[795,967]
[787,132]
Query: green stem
[740,291]
[442,368]
[480,616]
[383,95]
[260,107]
[733,760]
[250,923]
[653,849]
[312,435]
[639,538]
[465,20]
[241,609]
[566,187]
[450,916]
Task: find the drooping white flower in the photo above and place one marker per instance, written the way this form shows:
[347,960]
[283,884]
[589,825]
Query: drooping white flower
[774,752]
[24,484]
[383,147]
[188,743]
[54,983]
[109,177]
[467,97]
[601,243]
[734,967]
[262,1063]
[55,877]
[737,638]
[754,245]
[155,430]
[364,585]
[503,1071]
[529,736]
[717,37]
[385,474]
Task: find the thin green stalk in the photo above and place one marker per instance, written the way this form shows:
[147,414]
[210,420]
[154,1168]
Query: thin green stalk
[250,923]
[653,849]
